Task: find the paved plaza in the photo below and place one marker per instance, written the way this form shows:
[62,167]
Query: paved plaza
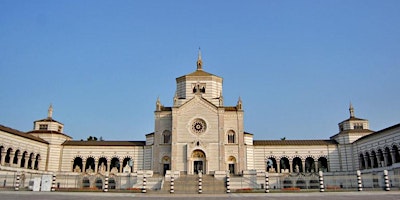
[23,195]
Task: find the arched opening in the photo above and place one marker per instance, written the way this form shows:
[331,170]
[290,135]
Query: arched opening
[77,166]
[90,166]
[285,166]
[301,183]
[8,156]
[232,164]
[297,165]
[99,183]
[1,154]
[396,154]
[323,164]
[111,184]
[15,159]
[287,183]
[37,162]
[381,159]
[270,165]
[199,159]
[374,160]
[362,162]
[115,165]
[23,159]
[166,137]
[85,182]
[128,165]
[166,164]
[231,137]
[102,165]
[309,164]
[30,161]
[368,159]
[388,156]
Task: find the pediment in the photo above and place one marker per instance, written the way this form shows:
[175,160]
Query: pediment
[198,102]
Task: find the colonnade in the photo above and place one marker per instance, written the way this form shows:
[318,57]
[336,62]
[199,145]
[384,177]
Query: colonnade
[381,157]
[17,158]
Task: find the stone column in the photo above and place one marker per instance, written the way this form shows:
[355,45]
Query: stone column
[316,165]
[19,157]
[365,162]
[278,166]
[393,154]
[303,165]
[96,165]
[26,162]
[11,161]
[290,166]
[385,159]
[83,165]
[108,166]
[3,156]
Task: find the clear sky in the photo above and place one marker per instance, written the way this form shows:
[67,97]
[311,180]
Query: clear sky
[295,64]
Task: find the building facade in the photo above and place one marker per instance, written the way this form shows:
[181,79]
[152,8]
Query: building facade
[198,133]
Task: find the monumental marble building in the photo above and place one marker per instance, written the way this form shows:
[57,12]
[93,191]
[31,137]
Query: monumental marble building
[199,133]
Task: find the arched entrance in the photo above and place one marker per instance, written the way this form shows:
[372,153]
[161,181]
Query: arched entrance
[166,164]
[199,161]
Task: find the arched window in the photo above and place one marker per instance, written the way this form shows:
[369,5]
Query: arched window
[77,166]
[297,165]
[231,137]
[115,165]
[166,137]
[396,154]
[323,164]
[37,162]
[310,164]
[89,167]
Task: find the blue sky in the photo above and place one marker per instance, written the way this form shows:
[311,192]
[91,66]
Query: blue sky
[295,64]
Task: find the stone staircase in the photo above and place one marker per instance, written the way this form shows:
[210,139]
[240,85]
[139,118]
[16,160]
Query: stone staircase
[189,184]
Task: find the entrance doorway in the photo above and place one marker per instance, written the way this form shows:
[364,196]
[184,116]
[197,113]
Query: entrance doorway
[166,167]
[231,168]
[198,166]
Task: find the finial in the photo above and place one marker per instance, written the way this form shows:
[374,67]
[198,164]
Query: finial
[50,111]
[351,109]
[239,104]
[158,104]
[199,61]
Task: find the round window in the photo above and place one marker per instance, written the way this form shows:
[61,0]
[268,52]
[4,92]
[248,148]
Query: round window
[198,126]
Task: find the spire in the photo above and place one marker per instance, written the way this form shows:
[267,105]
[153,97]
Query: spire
[239,104]
[50,111]
[351,109]
[158,104]
[199,61]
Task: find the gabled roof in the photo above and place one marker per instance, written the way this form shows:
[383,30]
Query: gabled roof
[353,119]
[49,119]
[293,142]
[47,132]
[350,131]
[103,143]
[200,73]
[21,134]
[378,132]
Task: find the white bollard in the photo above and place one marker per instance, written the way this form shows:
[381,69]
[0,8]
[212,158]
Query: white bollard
[386,177]
[321,181]
[17,181]
[144,185]
[200,183]
[172,185]
[228,186]
[359,181]
[105,183]
[53,183]
[266,182]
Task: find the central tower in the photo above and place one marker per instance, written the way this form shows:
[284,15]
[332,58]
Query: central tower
[198,133]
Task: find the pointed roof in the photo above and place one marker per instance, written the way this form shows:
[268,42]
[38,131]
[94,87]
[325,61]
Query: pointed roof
[199,71]
[199,61]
